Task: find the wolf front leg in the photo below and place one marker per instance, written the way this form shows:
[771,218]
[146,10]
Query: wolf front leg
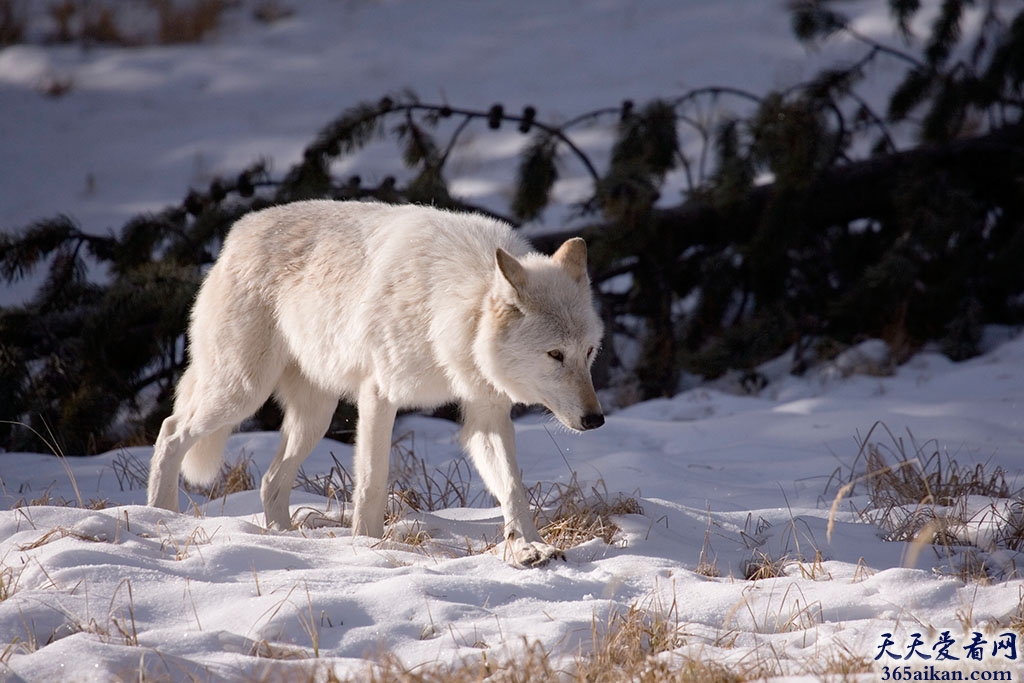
[372,453]
[488,436]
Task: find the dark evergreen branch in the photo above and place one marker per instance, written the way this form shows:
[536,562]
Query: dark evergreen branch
[881,48]
[454,138]
[843,193]
[168,372]
[877,121]
[716,91]
[554,131]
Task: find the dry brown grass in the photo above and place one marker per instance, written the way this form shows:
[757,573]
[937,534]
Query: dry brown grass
[707,563]
[88,22]
[119,627]
[785,608]
[182,549]
[627,642]
[919,493]
[533,665]
[927,475]
[131,472]
[107,22]
[635,645]
[1015,620]
[9,580]
[412,484]
[187,22]
[46,498]
[58,533]
[1011,525]
[763,566]
[569,516]
[234,477]
[905,481]
[335,484]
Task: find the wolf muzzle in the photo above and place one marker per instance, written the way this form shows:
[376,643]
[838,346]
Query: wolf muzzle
[592,421]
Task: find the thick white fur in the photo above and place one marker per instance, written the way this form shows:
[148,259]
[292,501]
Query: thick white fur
[393,307]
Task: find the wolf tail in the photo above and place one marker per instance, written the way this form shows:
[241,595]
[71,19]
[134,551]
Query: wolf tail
[203,461]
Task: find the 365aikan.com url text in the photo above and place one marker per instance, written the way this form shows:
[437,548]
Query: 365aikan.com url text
[932,673]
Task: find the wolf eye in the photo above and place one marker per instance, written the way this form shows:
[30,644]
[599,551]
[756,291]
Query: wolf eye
[590,352]
[557,355]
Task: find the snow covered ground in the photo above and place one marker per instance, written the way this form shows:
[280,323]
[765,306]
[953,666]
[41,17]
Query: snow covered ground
[91,594]
[722,478]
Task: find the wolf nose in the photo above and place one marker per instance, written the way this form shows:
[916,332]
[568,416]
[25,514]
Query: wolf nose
[593,421]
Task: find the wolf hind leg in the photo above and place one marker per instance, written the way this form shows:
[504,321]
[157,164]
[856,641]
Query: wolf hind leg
[188,444]
[191,439]
[173,442]
[307,415]
[164,468]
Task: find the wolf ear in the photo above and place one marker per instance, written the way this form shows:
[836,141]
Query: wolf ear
[512,270]
[572,256]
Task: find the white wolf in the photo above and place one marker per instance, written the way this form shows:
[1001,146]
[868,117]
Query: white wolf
[393,307]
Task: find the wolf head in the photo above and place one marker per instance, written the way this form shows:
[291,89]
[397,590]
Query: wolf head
[539,333]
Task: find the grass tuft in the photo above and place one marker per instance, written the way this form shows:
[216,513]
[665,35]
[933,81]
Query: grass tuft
[575,516]
[415,487]
[336,483]
[131,472]
[628,641]
[707,563]
[763,566]
[9,581]
[920,494]
[183,549]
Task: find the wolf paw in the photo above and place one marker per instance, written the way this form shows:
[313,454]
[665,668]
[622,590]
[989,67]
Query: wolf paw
[532,553]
